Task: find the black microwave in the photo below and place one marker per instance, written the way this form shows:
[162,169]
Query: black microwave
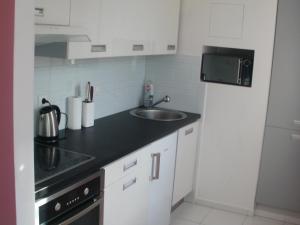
[227,69]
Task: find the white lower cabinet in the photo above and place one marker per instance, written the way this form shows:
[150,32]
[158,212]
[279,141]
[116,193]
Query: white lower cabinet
[141,194]
[185,161]
[163,154]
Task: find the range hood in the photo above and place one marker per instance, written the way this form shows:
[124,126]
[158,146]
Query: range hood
[59,34]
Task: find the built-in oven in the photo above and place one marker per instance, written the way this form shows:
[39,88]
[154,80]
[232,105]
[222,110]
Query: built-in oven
[77,204]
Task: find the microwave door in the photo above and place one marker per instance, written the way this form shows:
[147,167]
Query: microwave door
[222,69]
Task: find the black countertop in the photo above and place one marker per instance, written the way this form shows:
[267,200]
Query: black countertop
[110,139]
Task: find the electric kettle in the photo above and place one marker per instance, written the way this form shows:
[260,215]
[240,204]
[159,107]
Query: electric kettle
[48,123]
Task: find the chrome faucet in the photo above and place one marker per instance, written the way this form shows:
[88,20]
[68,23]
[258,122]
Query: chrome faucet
[165,99]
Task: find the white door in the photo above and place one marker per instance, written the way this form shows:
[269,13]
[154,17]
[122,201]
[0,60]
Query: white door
[163,153]
[52,12]
[185,161]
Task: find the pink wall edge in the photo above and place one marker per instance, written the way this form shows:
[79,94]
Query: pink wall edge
[7,178]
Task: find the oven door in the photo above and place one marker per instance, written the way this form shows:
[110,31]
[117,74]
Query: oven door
[91,214]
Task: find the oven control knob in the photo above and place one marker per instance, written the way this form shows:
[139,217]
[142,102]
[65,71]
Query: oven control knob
[57,207]
[86,191]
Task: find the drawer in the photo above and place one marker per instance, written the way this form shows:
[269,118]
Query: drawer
[279,182]
[126,202]
[123,167]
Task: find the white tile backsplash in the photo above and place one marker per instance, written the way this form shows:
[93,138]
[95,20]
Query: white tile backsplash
[118,82]
[179,77]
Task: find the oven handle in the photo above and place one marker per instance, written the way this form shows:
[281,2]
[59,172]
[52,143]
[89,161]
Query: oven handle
[82,213]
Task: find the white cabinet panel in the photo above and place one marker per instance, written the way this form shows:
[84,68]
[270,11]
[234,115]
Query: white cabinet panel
[226,20]
[52,12]
[163,153]
[185,161]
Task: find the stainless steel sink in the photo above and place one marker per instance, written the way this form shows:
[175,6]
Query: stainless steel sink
[158,114]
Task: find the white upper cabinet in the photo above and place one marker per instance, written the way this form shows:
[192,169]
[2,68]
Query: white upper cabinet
[165,24]
[123,27]
[54,12]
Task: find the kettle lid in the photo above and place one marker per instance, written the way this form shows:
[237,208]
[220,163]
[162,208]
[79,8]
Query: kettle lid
[46,109]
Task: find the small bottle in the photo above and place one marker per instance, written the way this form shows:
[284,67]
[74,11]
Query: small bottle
[148,93]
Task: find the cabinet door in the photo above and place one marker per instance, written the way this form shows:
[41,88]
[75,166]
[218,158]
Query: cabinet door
[126,201]
[279,182]
[52,12]
[163,153]
[185,161]
[165,24]
[91,21]
[124,22]
[284,103]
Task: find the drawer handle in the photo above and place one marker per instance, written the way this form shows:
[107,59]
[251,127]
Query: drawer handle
[171,47]
[130,165]
[297,122]
[98,48]
[295,137]
[189,131]
[129,184]
[155,171]
[39,12]
[138,47]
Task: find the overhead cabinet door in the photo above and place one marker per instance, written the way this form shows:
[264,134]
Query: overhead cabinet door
[164,26]
[52,12]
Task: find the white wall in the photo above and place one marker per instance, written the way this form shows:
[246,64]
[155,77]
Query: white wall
[23,111]
[179,77]
[234,117]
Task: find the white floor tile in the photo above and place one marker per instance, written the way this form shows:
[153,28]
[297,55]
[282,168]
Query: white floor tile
[191,212]
[176,221]
[218,217]
[256,220]
[292,220]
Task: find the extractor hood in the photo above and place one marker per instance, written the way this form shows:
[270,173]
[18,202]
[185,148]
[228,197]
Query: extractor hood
[53,34]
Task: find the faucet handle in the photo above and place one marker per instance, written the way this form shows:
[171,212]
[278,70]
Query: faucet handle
[167,98]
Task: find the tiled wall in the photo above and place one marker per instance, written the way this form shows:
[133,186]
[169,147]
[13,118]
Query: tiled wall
[118,82]
[179,77]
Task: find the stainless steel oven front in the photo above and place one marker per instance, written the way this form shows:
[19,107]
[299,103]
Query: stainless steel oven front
[78,204]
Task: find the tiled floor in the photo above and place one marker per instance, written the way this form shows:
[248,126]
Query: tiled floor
[190,214]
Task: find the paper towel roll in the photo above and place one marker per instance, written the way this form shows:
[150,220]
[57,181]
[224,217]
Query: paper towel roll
[74,106]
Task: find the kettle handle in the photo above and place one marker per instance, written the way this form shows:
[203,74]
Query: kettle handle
[58,113]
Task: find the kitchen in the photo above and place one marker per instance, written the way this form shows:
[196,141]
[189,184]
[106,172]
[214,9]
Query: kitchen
[232,167]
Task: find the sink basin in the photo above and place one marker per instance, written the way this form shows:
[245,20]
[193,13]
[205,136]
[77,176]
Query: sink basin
[158,114]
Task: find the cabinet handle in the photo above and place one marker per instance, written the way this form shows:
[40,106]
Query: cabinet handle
[155,172]
[297,122]
[138,47]
[189,131]
[171,47]
[39,12]
[129,184]
[98,48]
[130,165]
[295,137]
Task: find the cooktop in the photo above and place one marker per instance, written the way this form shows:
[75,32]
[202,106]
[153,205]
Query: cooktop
[50,161]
